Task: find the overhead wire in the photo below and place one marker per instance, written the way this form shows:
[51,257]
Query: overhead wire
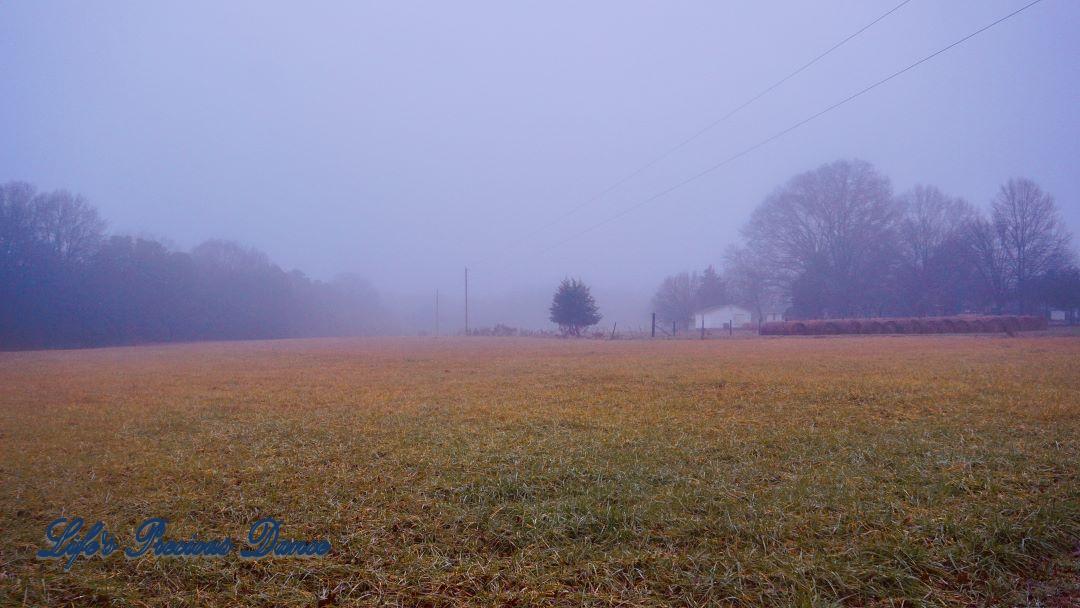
[788,129]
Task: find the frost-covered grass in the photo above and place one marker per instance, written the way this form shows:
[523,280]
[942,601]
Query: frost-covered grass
[860,471]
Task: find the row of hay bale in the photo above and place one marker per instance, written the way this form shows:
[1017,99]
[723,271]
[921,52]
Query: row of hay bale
[912,325]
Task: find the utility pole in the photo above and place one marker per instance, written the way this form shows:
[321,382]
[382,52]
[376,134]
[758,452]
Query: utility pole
[654,324]
[466,300]
[702,326]
[436,313]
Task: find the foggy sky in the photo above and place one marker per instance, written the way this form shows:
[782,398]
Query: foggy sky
[403,141]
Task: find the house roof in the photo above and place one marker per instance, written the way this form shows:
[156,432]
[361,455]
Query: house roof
[719,307]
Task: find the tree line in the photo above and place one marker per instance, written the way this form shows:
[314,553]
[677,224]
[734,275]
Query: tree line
[65,282]
[836,242]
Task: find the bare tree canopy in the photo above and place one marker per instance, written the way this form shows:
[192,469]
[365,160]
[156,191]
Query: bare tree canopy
[1033,238]
[988,260]
[830,231]
[750,282]
[58,224]
[932,275]
[68,224]
[929,221]
[676,299]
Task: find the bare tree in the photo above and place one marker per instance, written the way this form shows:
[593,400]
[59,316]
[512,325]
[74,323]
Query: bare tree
[750,284]
[835,228]
[68,225]
[16,229]
[987,256]
[1033,238]
[676,299]
[932,275]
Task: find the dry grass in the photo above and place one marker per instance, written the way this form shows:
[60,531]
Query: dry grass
[864,471]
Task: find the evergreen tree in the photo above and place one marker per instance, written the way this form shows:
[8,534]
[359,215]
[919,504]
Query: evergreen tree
[573,307]
[710,289]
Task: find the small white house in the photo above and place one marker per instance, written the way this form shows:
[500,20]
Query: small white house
[1064,317]
[769,317]
[717,317]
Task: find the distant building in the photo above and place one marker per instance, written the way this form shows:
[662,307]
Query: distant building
[1064,317]
[769,317]
[718,317]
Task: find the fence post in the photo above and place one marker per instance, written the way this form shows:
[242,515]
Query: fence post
[674,329]
[731,327]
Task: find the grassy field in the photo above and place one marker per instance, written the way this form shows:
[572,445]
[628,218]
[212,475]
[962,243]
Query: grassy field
[862,471]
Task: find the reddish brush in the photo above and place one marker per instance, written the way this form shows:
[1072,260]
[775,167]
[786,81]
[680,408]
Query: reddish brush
[1032,323]
[770,329]
[914,325]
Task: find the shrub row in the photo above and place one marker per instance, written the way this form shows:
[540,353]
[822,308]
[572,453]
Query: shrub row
[915,325]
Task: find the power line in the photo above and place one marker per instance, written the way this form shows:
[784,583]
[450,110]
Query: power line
[789,129]
[697,134]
